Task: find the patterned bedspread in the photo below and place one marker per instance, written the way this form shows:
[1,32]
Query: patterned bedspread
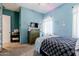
[58,46]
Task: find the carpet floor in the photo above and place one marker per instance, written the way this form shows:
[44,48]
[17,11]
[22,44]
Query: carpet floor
[16,49]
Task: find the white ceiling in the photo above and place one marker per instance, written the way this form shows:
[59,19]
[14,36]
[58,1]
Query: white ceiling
[39,7]
[11,6]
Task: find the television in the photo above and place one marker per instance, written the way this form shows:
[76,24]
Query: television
[36,25]
[32,24]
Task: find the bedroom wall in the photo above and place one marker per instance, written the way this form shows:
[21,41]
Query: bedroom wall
[27,16]
[62,20]
[14,18]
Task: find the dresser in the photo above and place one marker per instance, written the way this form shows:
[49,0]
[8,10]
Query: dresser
[33,35]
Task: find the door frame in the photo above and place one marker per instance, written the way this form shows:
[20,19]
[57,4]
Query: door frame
[10,28]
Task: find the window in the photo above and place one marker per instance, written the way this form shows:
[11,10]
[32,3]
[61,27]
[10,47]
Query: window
[47,26]
[75,30]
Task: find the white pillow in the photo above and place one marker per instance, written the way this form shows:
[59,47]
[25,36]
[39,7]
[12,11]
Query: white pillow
[48,36]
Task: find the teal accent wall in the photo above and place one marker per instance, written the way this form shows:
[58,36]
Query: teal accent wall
[14,18]
[28,16]
[62,14]
[17,18]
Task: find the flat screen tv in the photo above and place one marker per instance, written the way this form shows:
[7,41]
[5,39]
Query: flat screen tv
[34,24]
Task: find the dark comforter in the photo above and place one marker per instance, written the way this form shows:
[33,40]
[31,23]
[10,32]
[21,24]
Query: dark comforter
[58,46]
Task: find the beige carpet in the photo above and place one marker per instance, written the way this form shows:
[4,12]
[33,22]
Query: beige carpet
[16,49]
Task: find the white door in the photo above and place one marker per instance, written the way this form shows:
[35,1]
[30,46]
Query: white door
[6,30]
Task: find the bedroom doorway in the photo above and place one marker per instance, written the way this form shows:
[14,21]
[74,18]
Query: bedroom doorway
[6,30]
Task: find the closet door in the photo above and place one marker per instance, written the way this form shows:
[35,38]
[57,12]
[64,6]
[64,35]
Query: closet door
[0,26]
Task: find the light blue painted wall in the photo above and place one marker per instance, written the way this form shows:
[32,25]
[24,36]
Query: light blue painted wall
[63,13]
[60,14]
[27,16]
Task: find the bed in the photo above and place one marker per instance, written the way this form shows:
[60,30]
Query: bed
[56,46]
[38,43]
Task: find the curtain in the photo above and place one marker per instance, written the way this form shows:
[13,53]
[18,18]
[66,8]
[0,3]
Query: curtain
[48,26]
[75,30]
